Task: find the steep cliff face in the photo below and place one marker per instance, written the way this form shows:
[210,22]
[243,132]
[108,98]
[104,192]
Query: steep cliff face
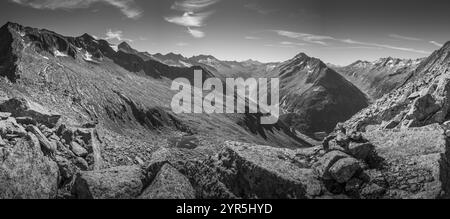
[314,97]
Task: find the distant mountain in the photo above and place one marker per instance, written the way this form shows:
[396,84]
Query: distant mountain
[220,68]
[379,77]
[421,98]
[314,97]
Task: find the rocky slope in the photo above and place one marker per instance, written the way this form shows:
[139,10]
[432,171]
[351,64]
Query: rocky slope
[379,77]
[421,100]
[314,97]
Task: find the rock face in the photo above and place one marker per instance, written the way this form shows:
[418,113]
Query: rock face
[115,183]
[415,162]
[252,171]
[169,184]
[35,159]
[402,164]
[25,172]
[20,107]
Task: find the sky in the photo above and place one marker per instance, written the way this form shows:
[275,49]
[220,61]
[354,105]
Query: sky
[338,32]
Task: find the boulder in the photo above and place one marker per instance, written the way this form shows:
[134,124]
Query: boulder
[254,171]
[344,169]
[20,107]
[415,162]
[125,182]
[360,150]
[11,127]
[169,184]
[196,166]
[327,161]
[25,172]
[46,145]
[4,115]
[78,150]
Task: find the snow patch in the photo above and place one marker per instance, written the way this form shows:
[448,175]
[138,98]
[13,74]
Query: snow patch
[87,56]
[59,54]
[185,64]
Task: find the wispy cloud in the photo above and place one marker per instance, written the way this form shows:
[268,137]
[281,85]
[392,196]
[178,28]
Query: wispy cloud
[325,40]
[400,37]
[116,35]
[128,7]
[310,38]
[385,46]
[191,17]
[259,9]
[182,44]
[436,44]
[292,43]
[252,38]
[192,5]
[196,33]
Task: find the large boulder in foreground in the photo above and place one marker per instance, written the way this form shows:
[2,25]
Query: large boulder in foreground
[169,184]
[412,163]
[125,182]
[20,107]
[253,171]
[25,172]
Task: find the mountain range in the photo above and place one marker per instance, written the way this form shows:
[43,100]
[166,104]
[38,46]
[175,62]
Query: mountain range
[81,118]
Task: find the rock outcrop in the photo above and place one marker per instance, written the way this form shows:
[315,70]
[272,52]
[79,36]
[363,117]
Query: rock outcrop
[37,160]
[115,183]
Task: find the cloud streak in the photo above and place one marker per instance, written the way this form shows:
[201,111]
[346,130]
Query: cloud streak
[436,44]
[310,38]
[400,37]
[325,41]
[128,7]
[385,46]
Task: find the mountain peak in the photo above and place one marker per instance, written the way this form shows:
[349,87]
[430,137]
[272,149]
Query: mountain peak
[125,46]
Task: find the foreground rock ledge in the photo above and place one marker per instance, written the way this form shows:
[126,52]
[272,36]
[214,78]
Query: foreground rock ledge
[413,163]
[253,171]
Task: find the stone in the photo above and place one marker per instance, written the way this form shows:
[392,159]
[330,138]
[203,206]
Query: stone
[66,169]
[2,142]
[342,140]
[11,127]
[126,182]
[169,184]
[413,154]
[327,161]
[353,186]
[26,121]
[360,150]
[47,146]
[196,166]
[20,107]
[78,150]
[254,171]
[26,173]
[4,115]
[373,191]
[344,169]
[81,163]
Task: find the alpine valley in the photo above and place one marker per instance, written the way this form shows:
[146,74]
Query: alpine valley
[81,118]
